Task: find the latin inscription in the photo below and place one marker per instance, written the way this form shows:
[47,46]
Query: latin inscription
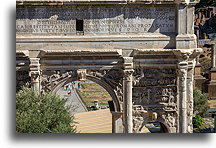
[97,20]
[45,26]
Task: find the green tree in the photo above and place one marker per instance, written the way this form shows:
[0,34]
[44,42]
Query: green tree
[198,122]
[42,113]
[200,102]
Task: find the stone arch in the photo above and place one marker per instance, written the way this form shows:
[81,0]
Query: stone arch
[163,126]
[102,83]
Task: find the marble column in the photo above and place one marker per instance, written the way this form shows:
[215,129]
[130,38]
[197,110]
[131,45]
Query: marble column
[34,73]
[212,75]
[190,79]
[182,74]
[182,57]
[127,94]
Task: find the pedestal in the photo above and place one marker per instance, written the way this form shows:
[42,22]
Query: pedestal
[117,123]
[198,78]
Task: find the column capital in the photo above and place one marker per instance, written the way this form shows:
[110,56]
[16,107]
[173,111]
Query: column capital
[182,54]
[34,66]
[34,73]
[128,74]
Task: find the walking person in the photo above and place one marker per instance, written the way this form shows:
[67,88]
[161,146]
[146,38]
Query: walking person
[79,86]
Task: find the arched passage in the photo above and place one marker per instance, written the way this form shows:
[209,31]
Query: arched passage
[117,123]
[108,88]
[157,127]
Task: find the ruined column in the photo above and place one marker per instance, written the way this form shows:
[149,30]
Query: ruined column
[127,94]
[212,75]
[213,56]
[34,73]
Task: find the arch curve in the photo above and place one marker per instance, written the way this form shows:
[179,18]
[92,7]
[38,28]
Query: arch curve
[163,126]
[102,83]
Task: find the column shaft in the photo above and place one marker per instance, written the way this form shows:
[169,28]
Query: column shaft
[127,92]
[183,99]
[213,56]
[190,78]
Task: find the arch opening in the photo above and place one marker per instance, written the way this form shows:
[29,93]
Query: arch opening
[100,82]
[155,127]
[103,108]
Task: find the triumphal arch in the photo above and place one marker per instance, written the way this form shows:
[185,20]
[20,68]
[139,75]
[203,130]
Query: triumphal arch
[141,51]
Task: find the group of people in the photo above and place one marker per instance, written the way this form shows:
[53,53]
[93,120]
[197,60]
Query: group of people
[70,87]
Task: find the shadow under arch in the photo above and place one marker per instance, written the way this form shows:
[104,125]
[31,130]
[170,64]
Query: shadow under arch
[163,126]
[102,83]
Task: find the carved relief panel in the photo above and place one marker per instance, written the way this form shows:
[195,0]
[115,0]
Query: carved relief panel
[155,88]
[156,91]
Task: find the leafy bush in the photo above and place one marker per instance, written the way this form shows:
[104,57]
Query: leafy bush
[198,122]
[200,103]
[42,113]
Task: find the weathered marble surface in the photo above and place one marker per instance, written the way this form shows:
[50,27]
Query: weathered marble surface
[142,52]
[97,20]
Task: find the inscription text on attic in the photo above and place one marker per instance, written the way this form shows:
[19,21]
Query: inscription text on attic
[95,20]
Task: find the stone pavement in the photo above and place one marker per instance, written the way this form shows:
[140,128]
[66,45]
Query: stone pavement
[73,100]
[99,121]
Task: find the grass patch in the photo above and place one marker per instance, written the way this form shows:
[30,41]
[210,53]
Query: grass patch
[91,92]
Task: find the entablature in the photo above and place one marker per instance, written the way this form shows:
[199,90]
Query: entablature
[66,2]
